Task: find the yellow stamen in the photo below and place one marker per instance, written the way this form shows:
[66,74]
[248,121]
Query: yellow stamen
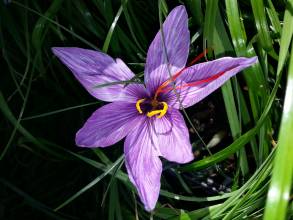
[161,112]
[138,105]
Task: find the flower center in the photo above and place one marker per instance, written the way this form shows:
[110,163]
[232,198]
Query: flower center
[152,107]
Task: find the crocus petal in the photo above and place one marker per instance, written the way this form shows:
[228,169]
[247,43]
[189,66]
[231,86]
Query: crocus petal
[108,125]
[143,165]
[93,68]
[174,144]
[191,95]
[176,40]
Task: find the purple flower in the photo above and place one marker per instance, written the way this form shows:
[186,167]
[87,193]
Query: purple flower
[148,116]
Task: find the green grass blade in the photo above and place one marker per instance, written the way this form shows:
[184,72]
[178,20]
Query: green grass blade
[274,18]
[40,27]
[131,27]
[111,30]
[196,11]
[221,46]
[32,202]
[261,24]
[57,24]
[240,142]
[91,184]
[209,22]
[286,37]
[280,187]
[59,111]
[11,118]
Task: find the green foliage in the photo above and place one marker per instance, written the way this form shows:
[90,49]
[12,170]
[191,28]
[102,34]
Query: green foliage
[43,173]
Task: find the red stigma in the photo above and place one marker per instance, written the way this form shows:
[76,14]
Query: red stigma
[176,75]
[196,83]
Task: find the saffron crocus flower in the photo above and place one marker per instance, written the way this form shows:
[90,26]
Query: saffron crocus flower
[148,115]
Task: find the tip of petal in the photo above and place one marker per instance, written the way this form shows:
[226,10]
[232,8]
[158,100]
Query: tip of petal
[177,11]
[179,7]
[82,140]
[56,50]
[249,61]
[148,208]
[59,51]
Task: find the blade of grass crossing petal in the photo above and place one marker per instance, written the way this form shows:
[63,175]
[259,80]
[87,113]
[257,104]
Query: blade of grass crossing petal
[261,24]
[280,187]
[161,8]
[117,82]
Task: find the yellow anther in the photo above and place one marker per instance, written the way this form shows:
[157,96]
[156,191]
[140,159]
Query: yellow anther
[161,112]
[138,105]
[155,112]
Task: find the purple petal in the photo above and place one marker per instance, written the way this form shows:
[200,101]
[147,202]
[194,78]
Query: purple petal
[94,68]
[143,165]
[174,144]
[176,35]
[191,95]
[108,125]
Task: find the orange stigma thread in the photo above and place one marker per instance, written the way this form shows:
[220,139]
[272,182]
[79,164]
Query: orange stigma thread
[196,83]
[176,75]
